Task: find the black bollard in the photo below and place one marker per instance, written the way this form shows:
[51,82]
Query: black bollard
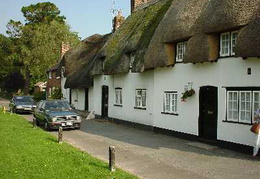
[112,158]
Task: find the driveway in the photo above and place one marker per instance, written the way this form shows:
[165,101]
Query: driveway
[150,155]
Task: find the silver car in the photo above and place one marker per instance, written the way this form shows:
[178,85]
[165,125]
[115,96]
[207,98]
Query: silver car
[22,104]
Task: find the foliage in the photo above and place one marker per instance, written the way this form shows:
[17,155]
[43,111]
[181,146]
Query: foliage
[42,13]
[32,153]
[187,93]
[38,96]
[36,45]
[56,93]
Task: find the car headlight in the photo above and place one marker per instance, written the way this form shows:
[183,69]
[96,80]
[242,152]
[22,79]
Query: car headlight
[54,119]
[79,118]
[19,107]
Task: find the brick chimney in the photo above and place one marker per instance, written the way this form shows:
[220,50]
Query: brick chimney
[136,3]
[118,20]
[65,46]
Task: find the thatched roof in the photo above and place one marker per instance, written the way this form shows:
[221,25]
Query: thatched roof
[175,26]
[223,15]
[200,22]
[133,35]
[207,50]
[248,42]
[79,61]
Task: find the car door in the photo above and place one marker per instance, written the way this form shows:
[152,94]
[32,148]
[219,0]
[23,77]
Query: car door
[39,112]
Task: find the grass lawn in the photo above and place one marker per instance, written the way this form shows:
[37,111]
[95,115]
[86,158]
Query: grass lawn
[26,152]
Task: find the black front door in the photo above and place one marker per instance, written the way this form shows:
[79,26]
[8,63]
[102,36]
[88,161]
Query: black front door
[104,101]
[208,101]
[86,99]
[70,98]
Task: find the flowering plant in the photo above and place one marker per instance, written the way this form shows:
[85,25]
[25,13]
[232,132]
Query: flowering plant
[187,93]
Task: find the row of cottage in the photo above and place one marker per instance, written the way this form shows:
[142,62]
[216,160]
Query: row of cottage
[186,66]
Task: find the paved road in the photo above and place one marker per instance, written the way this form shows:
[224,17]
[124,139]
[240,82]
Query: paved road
[153,156]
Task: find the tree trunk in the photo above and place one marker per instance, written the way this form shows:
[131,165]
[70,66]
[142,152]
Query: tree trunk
[27,81]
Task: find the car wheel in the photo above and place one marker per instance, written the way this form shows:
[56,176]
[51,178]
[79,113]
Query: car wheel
[46,126]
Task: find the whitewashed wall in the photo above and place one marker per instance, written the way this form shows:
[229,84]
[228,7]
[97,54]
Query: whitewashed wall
[229,72]
[91,99]
[65,92]
[129,83]
[78,98]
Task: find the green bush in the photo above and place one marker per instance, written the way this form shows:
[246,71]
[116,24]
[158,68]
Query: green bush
[38,96]
[56,94]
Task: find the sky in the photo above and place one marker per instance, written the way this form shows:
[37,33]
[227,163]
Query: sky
[87,17]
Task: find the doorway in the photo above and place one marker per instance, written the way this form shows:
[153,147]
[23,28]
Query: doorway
[208,112]
[104,104]
[86,99]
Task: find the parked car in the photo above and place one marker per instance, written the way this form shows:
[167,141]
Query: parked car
[22,104]
[56,113]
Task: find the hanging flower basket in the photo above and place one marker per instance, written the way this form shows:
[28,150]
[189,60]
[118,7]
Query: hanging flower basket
[186,94]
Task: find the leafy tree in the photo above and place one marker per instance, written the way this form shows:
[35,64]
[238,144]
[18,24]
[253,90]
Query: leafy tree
[44,12]
[38,41]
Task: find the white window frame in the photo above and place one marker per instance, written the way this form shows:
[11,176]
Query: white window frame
[245,110]
[180,51]
[256,114]
[118,96]
[140,98]
[234,108]
[222,53]
[50,74]
[231,43]
[246,105]
[170,102]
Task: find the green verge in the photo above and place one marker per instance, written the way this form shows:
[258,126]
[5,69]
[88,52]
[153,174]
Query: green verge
[32,153]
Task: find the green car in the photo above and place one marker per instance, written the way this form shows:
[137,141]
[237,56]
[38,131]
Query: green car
[56,113]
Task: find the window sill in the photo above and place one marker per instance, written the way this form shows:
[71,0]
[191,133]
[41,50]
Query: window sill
[173,114]
[140,108]
[235,122]
[118,105]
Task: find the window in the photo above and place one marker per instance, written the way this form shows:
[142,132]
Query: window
[170,102]
[243,106]
[232,105]
[180,51]
[118,97]
[140,98]
[228,42]
[256,106]
[63,71]
[49,74]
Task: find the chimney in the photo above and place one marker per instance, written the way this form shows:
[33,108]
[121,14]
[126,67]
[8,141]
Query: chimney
[136,3]
[65,46]
[118,20]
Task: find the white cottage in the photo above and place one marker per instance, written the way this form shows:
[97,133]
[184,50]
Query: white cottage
[190,68]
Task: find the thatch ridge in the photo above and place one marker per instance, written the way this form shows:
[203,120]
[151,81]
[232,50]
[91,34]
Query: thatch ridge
[224,15]
[177,25]
[133,35]
[248,42]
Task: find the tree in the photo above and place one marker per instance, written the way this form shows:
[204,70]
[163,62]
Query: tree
[38,41]
[44,12]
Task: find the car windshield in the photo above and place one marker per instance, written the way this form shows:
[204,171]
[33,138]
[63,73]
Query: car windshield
[24,99]
[57,105]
